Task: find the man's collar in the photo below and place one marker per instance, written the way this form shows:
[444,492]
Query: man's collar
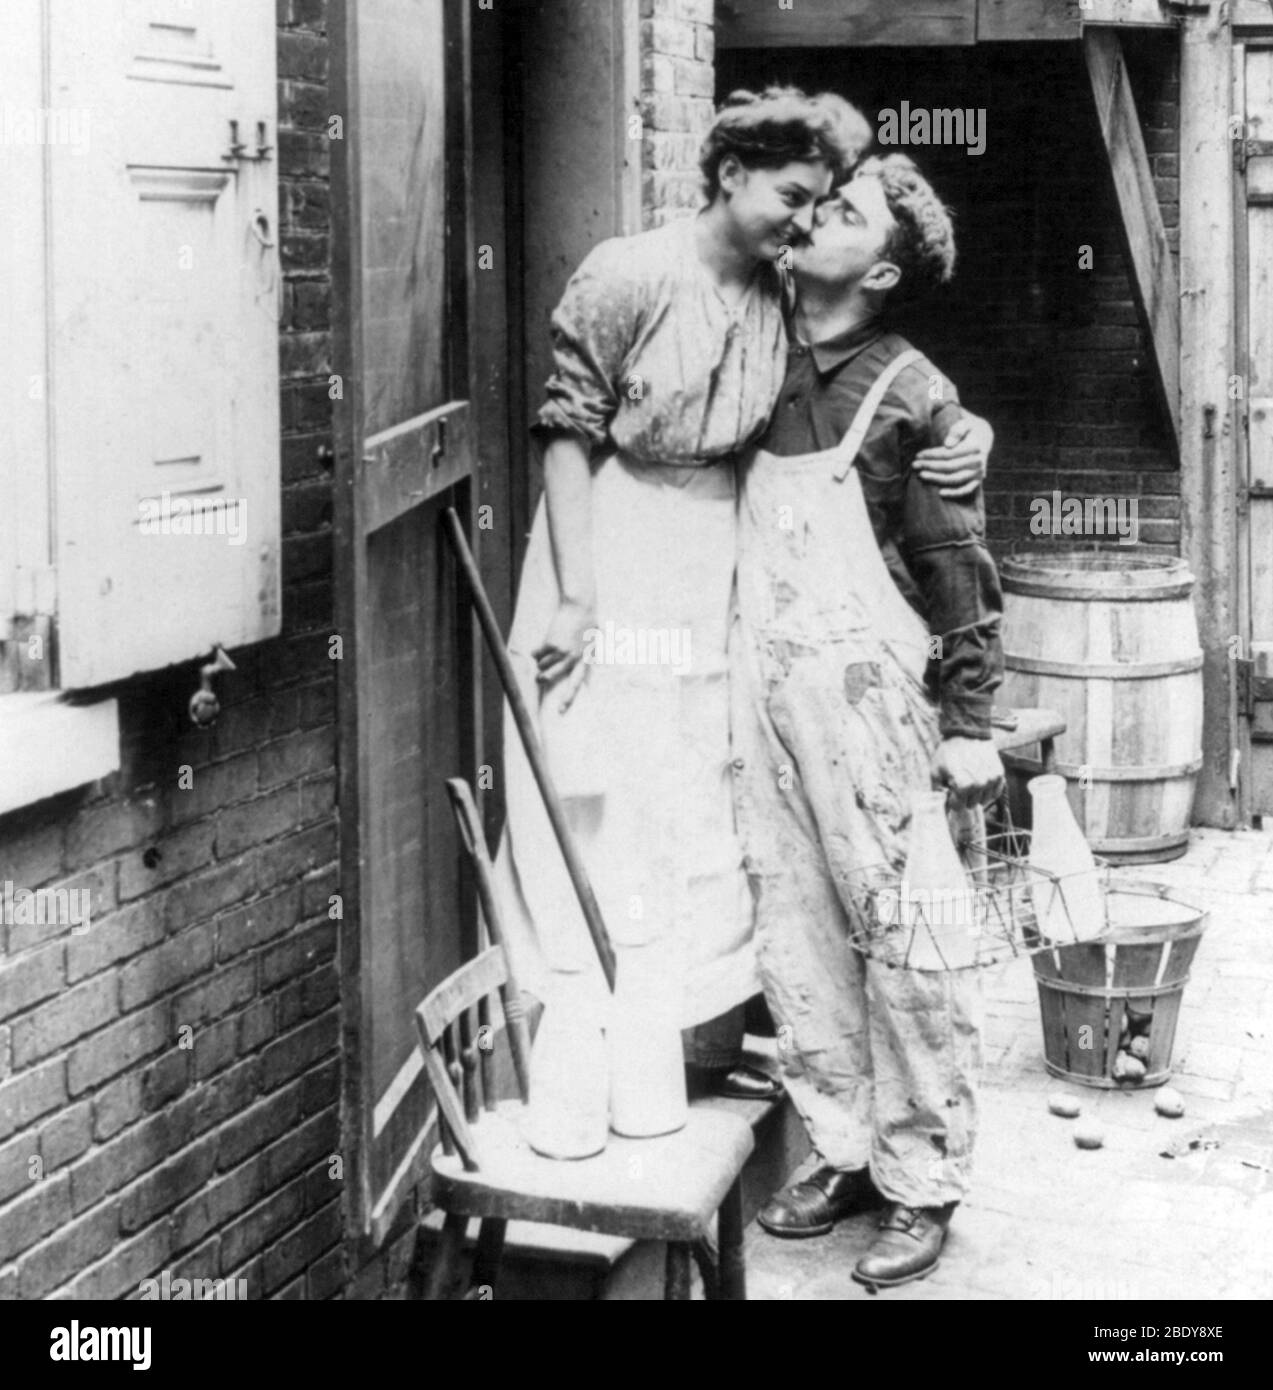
[832,353]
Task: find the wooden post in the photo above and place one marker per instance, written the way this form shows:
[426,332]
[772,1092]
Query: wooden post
[1208,418]
[1153,271]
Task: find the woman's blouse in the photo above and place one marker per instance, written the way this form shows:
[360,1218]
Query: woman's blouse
[650,360]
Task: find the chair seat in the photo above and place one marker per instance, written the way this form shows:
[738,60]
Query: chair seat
[1031,726]
[666,1188]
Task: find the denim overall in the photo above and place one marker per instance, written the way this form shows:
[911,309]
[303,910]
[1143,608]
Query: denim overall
[833,730]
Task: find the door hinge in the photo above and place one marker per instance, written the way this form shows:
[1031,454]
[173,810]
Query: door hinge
[1246,149]
[1253,689]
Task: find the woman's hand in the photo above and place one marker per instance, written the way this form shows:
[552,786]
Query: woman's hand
[963,459]
[561,656]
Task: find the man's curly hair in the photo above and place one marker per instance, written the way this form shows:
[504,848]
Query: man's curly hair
[781,125]
[922,245]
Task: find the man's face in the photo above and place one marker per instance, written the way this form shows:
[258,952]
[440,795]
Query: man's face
[851,228]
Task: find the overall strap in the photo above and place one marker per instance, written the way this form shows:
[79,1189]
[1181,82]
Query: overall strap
[852,442]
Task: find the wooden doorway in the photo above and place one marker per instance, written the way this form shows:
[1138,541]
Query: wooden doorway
[1253,146]
[421,424]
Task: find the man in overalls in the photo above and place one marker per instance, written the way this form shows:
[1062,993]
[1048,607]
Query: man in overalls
[850,565]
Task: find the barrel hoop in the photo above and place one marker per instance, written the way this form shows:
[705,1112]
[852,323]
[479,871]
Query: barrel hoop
[1106,1083]
[1029,588]
[1144,843]
[1118,671]
[1077,771]
[1114,991]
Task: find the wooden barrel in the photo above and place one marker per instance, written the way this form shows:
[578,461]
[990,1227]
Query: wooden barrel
[1108,638]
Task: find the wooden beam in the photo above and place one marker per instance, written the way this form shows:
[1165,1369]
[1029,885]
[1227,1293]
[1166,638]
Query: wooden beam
[1008,21]
[1153,273]
[1132,14]
[924,23]
[845,23]
[1252,18]
[1208,420]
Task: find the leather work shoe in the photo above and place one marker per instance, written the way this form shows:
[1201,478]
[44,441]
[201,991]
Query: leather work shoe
[908,1246]
[812,1207]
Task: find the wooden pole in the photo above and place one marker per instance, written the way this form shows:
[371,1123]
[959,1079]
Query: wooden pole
[1208,418]
[530,741]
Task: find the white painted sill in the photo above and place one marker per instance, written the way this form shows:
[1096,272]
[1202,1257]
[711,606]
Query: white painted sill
[48,745]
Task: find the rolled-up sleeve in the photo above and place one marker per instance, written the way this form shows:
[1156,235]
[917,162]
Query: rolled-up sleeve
[593,331]
[944,550]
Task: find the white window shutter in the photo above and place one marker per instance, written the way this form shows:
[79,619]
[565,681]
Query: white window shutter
[26,587]
[164,283]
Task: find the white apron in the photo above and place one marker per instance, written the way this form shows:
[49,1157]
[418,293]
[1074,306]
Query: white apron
[642,758]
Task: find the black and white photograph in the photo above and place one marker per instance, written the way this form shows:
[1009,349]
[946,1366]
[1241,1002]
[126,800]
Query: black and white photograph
[636,663]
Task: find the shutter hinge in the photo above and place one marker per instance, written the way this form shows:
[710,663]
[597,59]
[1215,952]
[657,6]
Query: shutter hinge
[1246,149]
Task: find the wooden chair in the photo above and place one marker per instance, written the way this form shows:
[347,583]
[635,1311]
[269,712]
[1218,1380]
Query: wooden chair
[665,1189]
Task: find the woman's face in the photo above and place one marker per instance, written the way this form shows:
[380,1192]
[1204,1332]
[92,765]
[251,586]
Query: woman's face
[772,209]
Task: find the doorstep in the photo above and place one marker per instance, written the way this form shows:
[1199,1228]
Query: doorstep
[552,1262]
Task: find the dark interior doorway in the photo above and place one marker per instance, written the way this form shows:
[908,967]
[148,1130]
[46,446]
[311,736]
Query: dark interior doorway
[1051,353]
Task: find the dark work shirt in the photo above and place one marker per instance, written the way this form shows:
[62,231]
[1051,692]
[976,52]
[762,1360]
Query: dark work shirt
[934,546]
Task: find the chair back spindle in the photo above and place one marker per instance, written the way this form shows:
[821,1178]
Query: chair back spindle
[470,825]
[486,1050]
[468,1062]
[456,1022]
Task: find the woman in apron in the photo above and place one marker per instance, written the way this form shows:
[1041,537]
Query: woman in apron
[669,351]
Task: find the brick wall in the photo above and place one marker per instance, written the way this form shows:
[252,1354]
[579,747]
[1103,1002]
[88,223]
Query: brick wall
[677,85]
[169,1079]
[1052,354]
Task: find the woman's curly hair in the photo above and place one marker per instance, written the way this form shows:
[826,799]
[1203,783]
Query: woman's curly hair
[781,125]
[922,244]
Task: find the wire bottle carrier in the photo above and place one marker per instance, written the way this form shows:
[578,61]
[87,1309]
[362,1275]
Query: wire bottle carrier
[1007,908]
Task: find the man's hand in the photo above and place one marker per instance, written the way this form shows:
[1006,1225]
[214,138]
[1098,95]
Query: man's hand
[971,768]
[963,459]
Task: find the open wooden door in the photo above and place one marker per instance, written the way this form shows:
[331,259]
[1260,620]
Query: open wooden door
[1253,145]
[405,451]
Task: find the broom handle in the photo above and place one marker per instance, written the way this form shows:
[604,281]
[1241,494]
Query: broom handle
[530,742]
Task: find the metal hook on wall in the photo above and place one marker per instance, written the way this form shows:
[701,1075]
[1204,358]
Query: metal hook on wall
[260,226]
[268,275]
[204,705]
